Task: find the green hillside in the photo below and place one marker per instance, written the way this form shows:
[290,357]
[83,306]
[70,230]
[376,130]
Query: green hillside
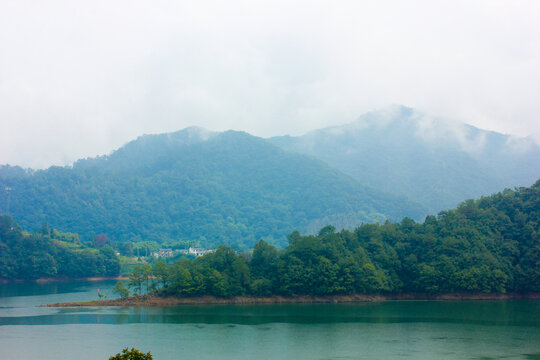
[218,188]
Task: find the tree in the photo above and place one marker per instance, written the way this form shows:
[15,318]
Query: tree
[44,230]
[121,290]
[132,354]
[136,278]
[101,240]
[147,274]
[125,248]
[264,260]
[161,271]
[264,268]
[110,260]
[329,229]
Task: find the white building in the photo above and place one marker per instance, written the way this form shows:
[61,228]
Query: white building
[199,251]
[164,253]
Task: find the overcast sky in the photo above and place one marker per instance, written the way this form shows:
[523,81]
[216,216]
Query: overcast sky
[78,79]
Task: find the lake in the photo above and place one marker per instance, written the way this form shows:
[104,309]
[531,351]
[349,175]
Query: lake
[386,330]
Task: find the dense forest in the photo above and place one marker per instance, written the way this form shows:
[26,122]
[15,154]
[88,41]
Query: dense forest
[487,245]
[193,185]
[49,253]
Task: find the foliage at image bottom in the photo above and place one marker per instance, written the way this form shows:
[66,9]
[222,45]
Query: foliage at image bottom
[48,253]
[132,354]
[486,245]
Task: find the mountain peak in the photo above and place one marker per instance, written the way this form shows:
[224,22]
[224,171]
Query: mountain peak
[194,133]
[399,122]
[437,160]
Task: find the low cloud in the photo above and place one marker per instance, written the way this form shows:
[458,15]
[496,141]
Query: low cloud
[81,79]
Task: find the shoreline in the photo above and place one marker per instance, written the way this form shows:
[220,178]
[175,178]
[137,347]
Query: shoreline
[61,279]
[153,300]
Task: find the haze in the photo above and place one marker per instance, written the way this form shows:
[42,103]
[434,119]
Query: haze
[79,79]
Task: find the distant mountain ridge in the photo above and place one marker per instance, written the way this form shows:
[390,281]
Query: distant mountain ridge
[436,162]
[219,188]
[234,188]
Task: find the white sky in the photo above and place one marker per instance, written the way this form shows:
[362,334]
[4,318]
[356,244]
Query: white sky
[79,79]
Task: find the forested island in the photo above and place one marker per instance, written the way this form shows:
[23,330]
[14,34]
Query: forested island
[485,246]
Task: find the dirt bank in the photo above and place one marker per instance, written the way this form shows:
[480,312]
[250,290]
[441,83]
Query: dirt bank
[152,300]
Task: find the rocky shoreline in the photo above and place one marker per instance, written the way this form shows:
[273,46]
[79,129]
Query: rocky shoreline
[153,300]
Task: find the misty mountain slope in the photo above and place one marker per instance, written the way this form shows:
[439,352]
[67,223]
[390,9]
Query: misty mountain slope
[229,187]
[435,162]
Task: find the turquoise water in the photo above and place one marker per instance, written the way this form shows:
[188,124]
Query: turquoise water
[388,330]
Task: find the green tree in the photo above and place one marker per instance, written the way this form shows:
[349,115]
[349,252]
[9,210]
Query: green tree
[121,290]
[132,354]
[136,279]
[147,275]
[264,260]
[161,271]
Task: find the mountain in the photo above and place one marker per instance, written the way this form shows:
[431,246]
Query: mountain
[217,188]
[436,162]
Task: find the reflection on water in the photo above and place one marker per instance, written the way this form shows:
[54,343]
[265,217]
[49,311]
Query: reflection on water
[414,329]
[45,288]
[503,313]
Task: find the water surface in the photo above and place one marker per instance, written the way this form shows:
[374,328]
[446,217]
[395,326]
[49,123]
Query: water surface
[386,330]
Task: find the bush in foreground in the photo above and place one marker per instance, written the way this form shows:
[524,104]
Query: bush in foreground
[132,354]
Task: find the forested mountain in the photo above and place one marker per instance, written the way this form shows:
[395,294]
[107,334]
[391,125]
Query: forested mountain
[490,245]
[436,162]
[219,188]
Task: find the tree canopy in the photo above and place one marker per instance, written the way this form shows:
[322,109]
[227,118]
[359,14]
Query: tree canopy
[132,354]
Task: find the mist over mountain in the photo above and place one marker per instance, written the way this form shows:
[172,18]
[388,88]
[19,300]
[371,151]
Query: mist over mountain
[218,188]
[235,188]
[434,161]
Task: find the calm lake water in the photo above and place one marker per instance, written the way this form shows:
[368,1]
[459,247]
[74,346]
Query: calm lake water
[388,330]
